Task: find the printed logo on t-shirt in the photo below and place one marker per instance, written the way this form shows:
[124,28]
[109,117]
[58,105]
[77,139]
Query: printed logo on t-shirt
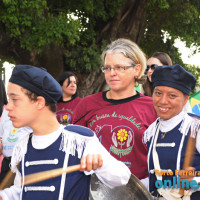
[64,118]
[12,135]
[14,130]
[121,140]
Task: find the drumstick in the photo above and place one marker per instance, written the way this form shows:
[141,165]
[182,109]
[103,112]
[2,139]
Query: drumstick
[8,180]
[189,153]
[41,176]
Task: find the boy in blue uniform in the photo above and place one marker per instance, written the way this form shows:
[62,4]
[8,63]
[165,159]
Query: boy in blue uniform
[33,94]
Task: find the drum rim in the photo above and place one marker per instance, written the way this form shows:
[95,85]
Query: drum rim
[134,179]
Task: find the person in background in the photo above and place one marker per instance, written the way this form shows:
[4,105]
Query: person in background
[168,136]
[120,115]
[3,97]
[33,94]
[10,136]
[3,102]
[156,59]
[69,99]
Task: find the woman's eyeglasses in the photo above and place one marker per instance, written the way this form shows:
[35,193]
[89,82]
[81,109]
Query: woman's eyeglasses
[115,68]
[151,67]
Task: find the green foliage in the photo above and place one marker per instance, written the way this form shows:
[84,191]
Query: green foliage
[89,59]
[180,20]
[162,4]
[196,72]
[34,26]
[38,23]
[93,14]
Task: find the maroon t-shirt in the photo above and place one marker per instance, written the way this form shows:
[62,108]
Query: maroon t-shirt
[65,110]
[119,125]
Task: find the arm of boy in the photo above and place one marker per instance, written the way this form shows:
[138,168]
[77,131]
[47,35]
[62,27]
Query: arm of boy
[109,170]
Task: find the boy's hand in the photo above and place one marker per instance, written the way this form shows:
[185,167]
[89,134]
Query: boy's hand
[91,162]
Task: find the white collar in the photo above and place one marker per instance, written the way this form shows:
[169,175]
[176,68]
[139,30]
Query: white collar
[168,125]
[43,141]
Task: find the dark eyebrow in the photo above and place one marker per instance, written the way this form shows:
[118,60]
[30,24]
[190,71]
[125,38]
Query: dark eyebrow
[156,89]
[12,94]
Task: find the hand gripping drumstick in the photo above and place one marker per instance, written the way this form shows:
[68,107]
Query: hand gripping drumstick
[189,153]
[41,176]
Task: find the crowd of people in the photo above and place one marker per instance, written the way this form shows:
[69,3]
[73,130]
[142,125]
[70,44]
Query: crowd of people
[113,133]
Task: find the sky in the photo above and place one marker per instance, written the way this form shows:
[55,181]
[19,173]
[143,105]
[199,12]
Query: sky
[8,70]
[186,57]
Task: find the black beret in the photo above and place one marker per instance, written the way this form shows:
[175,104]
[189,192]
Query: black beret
[38,81]
[174,76]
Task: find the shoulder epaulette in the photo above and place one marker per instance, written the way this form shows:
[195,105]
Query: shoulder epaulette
[80,130]
[194,116]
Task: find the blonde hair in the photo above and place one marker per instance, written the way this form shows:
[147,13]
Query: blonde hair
[130,49]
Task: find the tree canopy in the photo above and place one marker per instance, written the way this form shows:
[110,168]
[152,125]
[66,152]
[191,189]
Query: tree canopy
[70,35]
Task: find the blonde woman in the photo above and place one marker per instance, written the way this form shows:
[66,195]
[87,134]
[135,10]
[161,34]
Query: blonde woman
[120,115]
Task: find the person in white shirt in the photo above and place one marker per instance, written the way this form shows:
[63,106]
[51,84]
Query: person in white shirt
[10,136]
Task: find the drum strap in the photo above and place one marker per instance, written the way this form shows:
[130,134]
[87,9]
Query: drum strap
[63,179]
[172,194]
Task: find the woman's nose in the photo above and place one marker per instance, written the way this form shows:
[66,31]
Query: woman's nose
[112,72]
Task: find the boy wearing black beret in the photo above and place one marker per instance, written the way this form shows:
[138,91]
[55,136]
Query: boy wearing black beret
[33,94]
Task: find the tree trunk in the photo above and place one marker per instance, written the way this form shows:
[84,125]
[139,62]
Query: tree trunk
[91,83]
[51,59]
[129,22]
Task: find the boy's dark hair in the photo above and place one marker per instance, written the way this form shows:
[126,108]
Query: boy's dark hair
[33,97]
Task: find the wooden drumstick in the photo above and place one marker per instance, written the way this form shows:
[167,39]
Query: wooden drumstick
[8,180]
[189,153]
[41,176]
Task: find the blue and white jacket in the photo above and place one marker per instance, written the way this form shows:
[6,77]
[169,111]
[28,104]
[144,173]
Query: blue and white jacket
[63,148]
[166,142]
